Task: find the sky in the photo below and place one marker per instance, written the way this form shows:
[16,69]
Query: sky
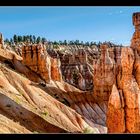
[85,23]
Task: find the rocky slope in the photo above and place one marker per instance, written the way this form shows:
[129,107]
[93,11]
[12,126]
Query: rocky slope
[29,104]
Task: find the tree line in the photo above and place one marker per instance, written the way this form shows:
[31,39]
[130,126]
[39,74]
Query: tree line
[25,38]
[16,39]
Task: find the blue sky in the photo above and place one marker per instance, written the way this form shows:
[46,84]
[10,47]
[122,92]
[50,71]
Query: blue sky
[92,23]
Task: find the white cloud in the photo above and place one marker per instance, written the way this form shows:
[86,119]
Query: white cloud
[117,12]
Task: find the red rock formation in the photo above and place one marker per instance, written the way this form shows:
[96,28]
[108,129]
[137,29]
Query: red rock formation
[35,57]
[115,113]
[1,41]
[124,104]
[104,75]
[55,70]
[77,67]
[38,60]
[135,42]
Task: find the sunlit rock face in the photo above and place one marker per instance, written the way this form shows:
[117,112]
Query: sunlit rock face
[123,115]
[1,41]
[104,75]
[39,61]
[76,66]
[135,42]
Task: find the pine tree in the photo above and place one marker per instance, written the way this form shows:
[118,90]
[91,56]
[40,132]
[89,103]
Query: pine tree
[43,40]
[6,40]
[76,42]
[34,39]
[20,39]
[11,41]
[31,38]
[24,38]
[15,38]
[65,42]
[38,40]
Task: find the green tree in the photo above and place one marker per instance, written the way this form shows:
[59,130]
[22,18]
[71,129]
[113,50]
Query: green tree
[55,43]
[87,43]
[28,38]
[43,40]
[65,42]
[38,40]
[34,39]
[24,38]
[20,39]
[11,41]
[82,43]
[71,43]
[76,42]
[60,42]
[6,40]
[15,38]
[31,38]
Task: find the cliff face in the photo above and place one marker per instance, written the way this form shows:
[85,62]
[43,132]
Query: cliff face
[123,106]
[1,41]
[38,60]
[73,66]
[76,66]
[104,74]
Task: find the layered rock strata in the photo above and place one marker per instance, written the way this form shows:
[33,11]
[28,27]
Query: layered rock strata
[38,60]
[76,66]
[1,41]
[124,101]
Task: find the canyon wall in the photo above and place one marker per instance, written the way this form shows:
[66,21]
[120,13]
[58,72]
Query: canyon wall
[39,61]
[1,41]
[76,66]
[123,114]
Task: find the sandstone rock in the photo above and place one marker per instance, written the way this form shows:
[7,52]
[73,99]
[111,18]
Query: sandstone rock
[1,41]
[55,70]
[76,66]
[104,75]
[37,59]
[31,106]
[135,41]
[124,104]
[137,67]
[115,113]
[124,99]
[34,57]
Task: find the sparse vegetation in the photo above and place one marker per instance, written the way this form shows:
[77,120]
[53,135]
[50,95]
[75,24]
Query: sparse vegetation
[17,100]
[35,132]
[87,131]
[17,39]
[44,114]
